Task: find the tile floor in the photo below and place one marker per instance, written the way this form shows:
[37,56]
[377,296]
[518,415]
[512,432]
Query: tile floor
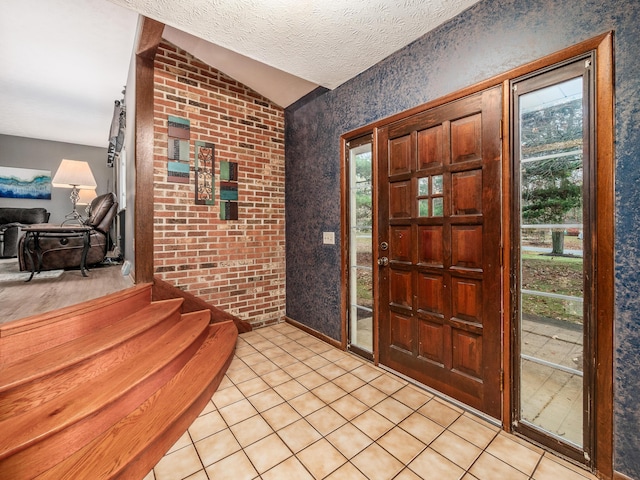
[294,407]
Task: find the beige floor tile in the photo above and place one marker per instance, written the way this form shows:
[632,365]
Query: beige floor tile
[289,469]
[276,377]
[328,392]
[255,359]
[241,375]
[326,420]
[178,464]
[400,444]
[349,407]
[235,467]
[430,464]
[349,440]
[348,382]
[299,435]
[331,371]
[280,416]
[225,397]
[387,384]
[297,369]
[225,383]
[366,373]
[251,430]
[319,347]
[412,397]
[216,447]
[334,355]
[265,400]
[368,395]
[321,458]
[273,352]
[302,353]
[199,475]
[407,474]
[515,454]
[238,411]
[306,404]
[347,472]
[253,386]
[284,360]
[480,434]
[267,453]
[376,463]
[393,410]
[440,413]
[456,449]
[183,441]
[349,362]
[206,425]
[316,362]
[488,467]
[150,476]
[290,389]
[372,424]
[422,428]
[311,380]
[551,468]
[209,407]
[264,368]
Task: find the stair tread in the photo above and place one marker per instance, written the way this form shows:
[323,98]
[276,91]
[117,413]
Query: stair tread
[130,448]
[121,387]
[67,354]
[22,338]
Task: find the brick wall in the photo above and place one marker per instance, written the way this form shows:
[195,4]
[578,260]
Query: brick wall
[238,265]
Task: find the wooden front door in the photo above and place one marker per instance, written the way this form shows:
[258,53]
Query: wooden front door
[440,249]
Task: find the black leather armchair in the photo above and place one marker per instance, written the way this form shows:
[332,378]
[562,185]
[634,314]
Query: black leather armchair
[62,251]
[11,221]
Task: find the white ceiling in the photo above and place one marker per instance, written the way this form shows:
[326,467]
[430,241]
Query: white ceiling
[64,62]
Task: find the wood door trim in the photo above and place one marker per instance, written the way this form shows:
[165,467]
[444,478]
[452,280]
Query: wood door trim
[148,41]
[603,46]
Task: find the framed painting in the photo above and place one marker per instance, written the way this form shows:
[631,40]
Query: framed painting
[25,183]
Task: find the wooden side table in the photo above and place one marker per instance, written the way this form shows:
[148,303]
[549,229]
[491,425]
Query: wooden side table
[34,232]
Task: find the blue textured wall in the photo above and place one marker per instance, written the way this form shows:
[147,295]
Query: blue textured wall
[490,38]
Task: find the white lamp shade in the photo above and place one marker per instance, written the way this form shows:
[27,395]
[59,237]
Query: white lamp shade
[74,173]
[86,196]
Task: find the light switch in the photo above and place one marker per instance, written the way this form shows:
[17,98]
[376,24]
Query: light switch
[328,238]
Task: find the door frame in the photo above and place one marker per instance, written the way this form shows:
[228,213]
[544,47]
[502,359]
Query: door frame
[602,46]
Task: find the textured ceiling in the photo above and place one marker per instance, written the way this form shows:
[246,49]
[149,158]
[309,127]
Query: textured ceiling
[62,65]
[326,42]
[64,62]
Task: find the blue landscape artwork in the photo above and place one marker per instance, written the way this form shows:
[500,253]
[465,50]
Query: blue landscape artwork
[25,183]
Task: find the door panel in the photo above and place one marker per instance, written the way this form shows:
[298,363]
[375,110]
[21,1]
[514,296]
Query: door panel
[439,212]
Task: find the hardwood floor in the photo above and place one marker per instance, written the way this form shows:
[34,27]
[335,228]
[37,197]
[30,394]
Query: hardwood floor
[19,299]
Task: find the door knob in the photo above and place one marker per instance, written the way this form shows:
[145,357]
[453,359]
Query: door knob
[383,261]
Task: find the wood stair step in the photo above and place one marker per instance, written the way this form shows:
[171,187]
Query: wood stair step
[22,338]
[37,439]
[39,378]
[131,447]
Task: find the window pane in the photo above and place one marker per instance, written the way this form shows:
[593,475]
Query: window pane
[438,207]
[423,207]
[423,186]
[436,187]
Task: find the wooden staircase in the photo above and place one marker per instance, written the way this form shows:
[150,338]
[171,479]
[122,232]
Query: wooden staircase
[103,389]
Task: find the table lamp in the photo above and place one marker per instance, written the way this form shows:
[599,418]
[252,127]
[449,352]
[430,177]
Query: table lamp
[76,175]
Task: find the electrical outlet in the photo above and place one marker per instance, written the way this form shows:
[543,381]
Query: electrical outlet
[328,238]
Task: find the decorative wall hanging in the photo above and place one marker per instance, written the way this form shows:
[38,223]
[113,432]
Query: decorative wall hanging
[178,149]
[228,190]
[205,184]
[179,127]
[178,172]
[25,183]
[179,131]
